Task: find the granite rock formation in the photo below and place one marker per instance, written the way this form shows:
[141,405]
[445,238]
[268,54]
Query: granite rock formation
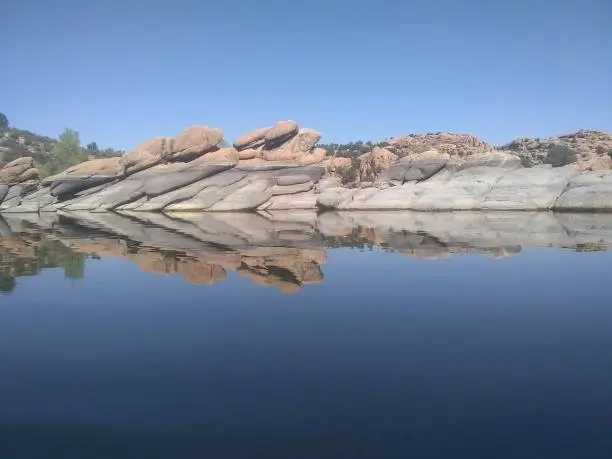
[493,182]
[453,144]
[280,167]
[592,149]
[271,168]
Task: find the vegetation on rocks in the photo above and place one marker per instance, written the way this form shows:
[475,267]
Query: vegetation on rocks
[51,156]
[560,155]
[588,149]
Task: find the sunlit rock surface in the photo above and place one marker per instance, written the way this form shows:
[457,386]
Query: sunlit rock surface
[280,167]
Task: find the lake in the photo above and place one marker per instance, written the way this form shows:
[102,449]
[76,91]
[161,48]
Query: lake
[296,335]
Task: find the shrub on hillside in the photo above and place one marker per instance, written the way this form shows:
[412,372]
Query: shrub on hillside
[349,174]
[559,155]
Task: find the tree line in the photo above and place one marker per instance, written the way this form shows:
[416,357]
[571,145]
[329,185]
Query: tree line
[51,156]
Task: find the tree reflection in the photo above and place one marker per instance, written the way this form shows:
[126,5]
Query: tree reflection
[28,256]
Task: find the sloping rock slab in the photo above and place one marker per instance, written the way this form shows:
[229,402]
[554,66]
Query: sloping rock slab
[535,188]
[68,187]
[4,188]
[150,183]
[597,197]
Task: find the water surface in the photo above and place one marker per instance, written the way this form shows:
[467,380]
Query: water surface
[302,336]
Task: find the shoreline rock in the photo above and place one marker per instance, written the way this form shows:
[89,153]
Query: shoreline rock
[282,168]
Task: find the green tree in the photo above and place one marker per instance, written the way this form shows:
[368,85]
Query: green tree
[93,147]
[4,122]
[65,153]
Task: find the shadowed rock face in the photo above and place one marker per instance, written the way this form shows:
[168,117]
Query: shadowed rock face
[284,250]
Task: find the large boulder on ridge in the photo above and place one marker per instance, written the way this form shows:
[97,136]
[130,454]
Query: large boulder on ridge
[195,141]
[253,139]
[145,155]
[300,144]
[280,133]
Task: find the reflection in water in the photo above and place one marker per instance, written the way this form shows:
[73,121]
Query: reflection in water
[281,249]
[28,255]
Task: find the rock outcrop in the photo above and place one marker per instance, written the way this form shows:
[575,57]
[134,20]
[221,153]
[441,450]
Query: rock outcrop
[457,145]
[270,168]
[590,150]
[281,168]
[373,163]
[18,178]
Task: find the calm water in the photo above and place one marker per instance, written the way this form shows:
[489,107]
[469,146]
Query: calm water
[378,335]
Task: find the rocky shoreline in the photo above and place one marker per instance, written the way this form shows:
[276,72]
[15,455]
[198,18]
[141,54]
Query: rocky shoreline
[282,168]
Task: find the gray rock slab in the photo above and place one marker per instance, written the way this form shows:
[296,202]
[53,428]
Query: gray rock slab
[4,189]
[248,197]
[596,197]
[70,186]
[535,188]
[297,201]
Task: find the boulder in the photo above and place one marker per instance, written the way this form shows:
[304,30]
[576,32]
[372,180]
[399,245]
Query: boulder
[252,140]
[299,145]
[415,168]
[145,155]
[249,153]
[374,162]
[13,171]
[280,133]
[30,174]
[317,156]
[100,166]
[221,156]
[24,162]
[195,141]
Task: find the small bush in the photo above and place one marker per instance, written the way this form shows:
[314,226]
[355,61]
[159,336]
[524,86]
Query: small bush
[559,155]
[350,173]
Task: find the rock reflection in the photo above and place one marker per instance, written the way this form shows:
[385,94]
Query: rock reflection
[284,250]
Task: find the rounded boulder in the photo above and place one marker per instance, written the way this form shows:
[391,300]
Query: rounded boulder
[281,132]
[195,141]
[253,139]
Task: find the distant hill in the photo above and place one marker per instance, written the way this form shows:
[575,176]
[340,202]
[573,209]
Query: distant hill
[582,147]
[50,155]
[17,143]
[587,149]
[590,150]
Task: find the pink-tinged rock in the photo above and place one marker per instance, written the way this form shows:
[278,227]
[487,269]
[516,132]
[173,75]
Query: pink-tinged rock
[195,141]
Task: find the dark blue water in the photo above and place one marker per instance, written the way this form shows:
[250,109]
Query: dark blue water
[385,356]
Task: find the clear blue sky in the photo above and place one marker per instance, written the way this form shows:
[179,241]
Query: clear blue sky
[121,71]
